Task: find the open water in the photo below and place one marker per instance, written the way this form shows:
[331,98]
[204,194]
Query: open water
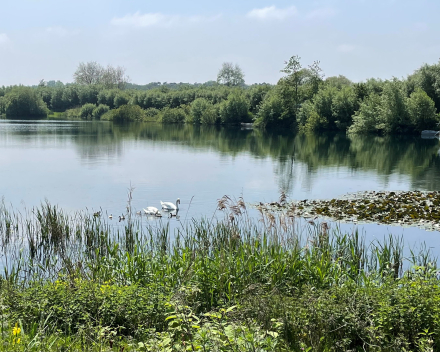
[89,166]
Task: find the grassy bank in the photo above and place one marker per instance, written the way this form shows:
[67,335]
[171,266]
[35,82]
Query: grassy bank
[74,282]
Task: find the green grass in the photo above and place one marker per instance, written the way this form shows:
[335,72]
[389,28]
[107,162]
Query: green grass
[74,282]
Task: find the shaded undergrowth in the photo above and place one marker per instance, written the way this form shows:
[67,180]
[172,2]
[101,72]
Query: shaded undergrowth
[231,283]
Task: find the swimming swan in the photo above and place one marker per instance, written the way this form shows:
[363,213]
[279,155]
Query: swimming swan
[168,206]
[151,210]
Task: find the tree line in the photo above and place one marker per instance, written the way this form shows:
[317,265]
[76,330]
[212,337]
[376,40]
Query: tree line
[303,99]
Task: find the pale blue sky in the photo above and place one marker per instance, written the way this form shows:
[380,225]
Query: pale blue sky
[186,41]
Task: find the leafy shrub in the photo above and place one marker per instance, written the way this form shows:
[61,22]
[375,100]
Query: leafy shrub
[2,105]
[107,97]
[125,113]
[24,102]
[344,105]
[366,119]
[235,109]
[73,113]
[394,117]
[202,111]
[270,111]
[422,111]
[210,115]
[71,305]
[173,115]
[87,111]
[100,110]
[323,102]
[152,114]
[121,99]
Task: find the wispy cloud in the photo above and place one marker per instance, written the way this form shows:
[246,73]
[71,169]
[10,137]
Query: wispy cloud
[272,13]
[321,14]
[139,20]
[346,48]
[4,38]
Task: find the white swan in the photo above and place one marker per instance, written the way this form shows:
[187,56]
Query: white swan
[151,210]
[168,206]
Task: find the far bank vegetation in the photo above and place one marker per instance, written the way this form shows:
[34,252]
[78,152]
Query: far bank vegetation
[303,99]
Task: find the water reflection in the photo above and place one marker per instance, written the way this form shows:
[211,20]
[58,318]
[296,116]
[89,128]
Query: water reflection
[297,158]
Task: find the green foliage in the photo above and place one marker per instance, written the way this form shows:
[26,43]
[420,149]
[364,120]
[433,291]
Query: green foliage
[270,111]
[100,110]
[309,120]
[366,119]
[426,78]
[235,109]
[87,111]
[2,105]
[151,114]
[422,111]
[394,117]
[338,82]
[24,102]
[256,96]
[174,115]
[301,99]
[227,285]
[125,113]
[121,99]
[107,97]
[202,111]
[344,105]
[323,103]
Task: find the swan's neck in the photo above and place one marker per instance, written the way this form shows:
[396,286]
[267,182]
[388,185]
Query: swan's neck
[177,204]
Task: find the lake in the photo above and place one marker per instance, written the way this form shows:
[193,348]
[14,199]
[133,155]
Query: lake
[82,165]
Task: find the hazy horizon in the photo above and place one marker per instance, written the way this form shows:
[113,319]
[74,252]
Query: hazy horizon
[171,41]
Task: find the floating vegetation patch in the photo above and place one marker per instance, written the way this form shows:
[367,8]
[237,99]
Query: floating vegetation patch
[412,208]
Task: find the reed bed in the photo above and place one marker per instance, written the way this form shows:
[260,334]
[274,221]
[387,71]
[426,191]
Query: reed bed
[74,282]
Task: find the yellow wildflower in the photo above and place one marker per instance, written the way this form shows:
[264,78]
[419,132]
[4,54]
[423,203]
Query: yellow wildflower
[16,330]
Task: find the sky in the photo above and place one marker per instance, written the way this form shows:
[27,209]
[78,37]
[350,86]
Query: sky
[187,41]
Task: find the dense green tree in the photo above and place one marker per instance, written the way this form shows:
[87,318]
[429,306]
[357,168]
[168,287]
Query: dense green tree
[199,109]
[394,117]
[428,79]
[366,119]
[24,102]
[256,96]
[2,105]
[121,99]
[125,113]
[361,91]
[235,109]
[270,110]
[422,111]
[338,82]
[88,95]
[57,101]
[323,102]
[100,110]
[309,119]
[174,115]
[87,111]
[344,106]
[230,75]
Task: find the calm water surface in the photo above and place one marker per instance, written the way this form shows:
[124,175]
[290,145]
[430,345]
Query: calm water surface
[80,165]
